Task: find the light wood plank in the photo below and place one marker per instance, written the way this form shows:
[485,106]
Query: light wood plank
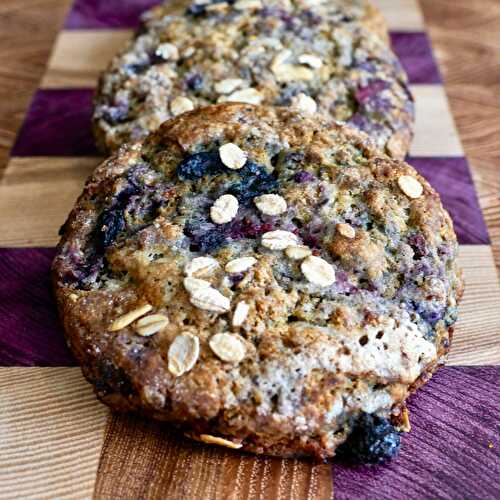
[477,340]
[401,15]
[157,462]
[79,57]
[36,195]
[435,131]
[51,434]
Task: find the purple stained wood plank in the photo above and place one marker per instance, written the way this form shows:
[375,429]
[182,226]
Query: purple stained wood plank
[30,332]
[58,123]
[106,14]
[452,179]
[453,450]
[415,53]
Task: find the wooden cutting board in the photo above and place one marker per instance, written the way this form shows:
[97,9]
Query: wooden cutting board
[57,441]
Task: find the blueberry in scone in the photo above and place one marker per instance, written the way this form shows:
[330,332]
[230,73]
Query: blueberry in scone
[261,280]
[320,57]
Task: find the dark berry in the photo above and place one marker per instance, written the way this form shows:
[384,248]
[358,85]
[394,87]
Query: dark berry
[112,220]
[196,166]
[303,177]
[366,93]
[112,224]
[113,114]
[194,81]
[373,440]
[236,278]
[198,9]
[204,236]
[430,311]
[255,181]
[346,19]
[63,229]
[155,58]
[137,69]
[312,18]
[311,240]
[211,241]
[418,244]
[112,379]
[248,227]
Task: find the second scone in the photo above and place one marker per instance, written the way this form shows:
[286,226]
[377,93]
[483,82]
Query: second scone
[301,54]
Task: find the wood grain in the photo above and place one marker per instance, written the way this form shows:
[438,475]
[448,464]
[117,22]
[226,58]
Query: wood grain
[435,131]
[159,464]
[476,340]
[52,185]
[466,38]
[27,31]
[407,17]
[79,56]
[51,434]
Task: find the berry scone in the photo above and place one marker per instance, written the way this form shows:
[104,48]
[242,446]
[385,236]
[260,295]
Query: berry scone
[261,280]
[315,58]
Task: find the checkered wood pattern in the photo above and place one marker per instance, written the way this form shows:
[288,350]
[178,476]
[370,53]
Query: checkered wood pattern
[57,441]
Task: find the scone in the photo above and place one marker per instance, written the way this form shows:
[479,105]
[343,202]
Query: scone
[261,280]
[321,58]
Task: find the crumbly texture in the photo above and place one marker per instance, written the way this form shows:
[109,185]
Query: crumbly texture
[329,58]
[306,357]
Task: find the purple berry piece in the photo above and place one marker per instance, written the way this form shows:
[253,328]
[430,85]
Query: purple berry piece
[303,177]
[364,94]
[194,81]
[255,181]
[211,241]
[418,244]
[113,114]
[196,166]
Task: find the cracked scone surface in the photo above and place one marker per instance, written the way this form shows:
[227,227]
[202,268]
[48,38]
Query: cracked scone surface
[323,57]
[260,279]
